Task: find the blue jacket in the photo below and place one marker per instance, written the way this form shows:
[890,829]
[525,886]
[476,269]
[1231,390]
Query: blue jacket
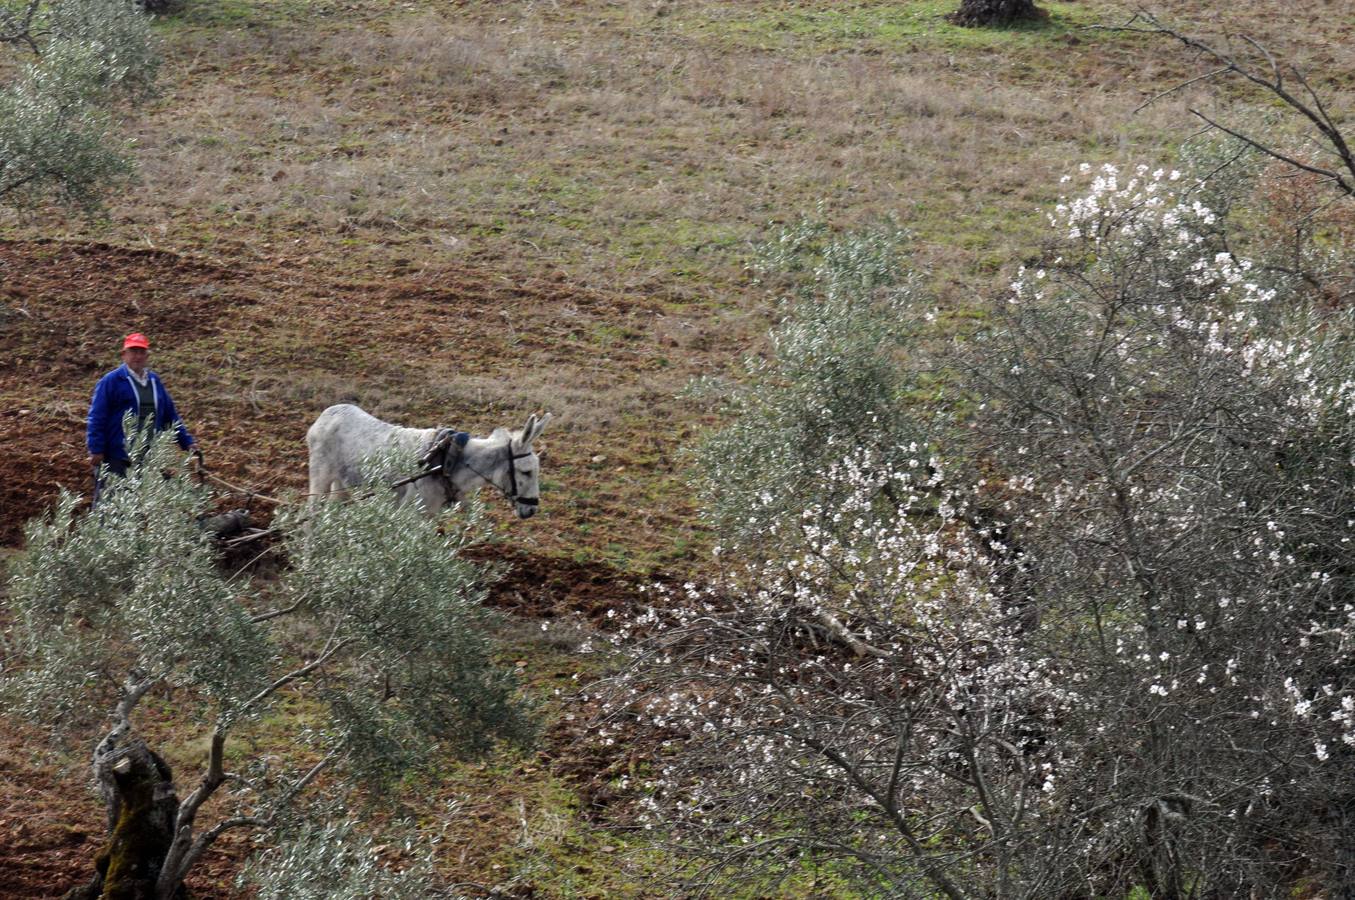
[114,397]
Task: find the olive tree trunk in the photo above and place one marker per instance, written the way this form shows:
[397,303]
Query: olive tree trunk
[139,790]
[982,13]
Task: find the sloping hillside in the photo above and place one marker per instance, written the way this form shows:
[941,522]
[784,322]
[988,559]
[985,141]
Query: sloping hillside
[461,212]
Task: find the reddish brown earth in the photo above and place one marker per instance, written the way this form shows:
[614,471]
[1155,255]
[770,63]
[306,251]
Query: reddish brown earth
[252,354]
[51,826]
[63,301]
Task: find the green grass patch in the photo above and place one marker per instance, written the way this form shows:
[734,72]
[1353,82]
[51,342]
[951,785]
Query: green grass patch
[880,26]
[242,13]
[687,245]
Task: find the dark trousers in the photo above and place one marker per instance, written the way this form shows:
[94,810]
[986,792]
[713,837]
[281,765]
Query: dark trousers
[111,468]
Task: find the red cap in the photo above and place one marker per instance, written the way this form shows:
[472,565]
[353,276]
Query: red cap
[136,339]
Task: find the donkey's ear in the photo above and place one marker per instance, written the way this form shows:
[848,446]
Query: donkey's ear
[532,430]
[540,426]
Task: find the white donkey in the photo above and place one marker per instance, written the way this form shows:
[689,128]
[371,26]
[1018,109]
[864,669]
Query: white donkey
[343,436]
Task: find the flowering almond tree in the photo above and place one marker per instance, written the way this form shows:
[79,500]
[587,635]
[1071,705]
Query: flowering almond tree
[1091,638]
[375,630]
[913,747]
[1175,422]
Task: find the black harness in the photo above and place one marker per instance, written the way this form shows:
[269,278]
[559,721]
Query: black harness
[513,477]
[444,454]
[441,458]
[512,492]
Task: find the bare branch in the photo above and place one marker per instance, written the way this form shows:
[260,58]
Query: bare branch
[844,634]
[268,616]
[1180,87]
[207,838]
[328,653]
[1314,111]
[896,817]
[19,29]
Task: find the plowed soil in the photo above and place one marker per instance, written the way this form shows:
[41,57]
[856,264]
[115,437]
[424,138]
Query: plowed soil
[51,827]
[253,353]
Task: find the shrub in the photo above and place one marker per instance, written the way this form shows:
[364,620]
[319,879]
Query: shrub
[376,627]
[1094,638]
[831,385]
[55,139]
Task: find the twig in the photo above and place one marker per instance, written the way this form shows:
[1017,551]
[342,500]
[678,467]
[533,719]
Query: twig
[844,634]
[264,617]
[258,556]
[239,490]
[1180,87]
[246,538]
[1316,113]
[1316,170]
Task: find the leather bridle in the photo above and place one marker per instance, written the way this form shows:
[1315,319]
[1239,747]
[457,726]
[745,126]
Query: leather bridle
[443,442]
[513,477]
[512,492]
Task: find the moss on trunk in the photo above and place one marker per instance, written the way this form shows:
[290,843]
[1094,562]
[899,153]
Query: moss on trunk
[139,788]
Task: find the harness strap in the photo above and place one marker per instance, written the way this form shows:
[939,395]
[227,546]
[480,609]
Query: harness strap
[441,458]
[513,478]
[437,448]
[444,455]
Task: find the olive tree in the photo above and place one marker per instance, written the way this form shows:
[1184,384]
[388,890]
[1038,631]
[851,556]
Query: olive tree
[1090,634]
[73,61]
[374,636]
[827,382]
[334,860]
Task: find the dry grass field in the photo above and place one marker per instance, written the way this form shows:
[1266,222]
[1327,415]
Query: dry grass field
[460,212]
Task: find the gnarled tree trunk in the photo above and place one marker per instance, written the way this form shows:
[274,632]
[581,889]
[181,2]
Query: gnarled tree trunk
[981,13]
[138,787]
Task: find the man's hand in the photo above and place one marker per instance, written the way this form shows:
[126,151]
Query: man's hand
[96,460]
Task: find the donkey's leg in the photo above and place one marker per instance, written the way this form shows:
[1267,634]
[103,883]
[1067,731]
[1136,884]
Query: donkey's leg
[319,483]
[326,478]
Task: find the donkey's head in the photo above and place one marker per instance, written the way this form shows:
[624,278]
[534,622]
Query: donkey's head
[520,478]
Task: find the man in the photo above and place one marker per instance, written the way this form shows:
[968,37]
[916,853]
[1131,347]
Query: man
[131,387]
